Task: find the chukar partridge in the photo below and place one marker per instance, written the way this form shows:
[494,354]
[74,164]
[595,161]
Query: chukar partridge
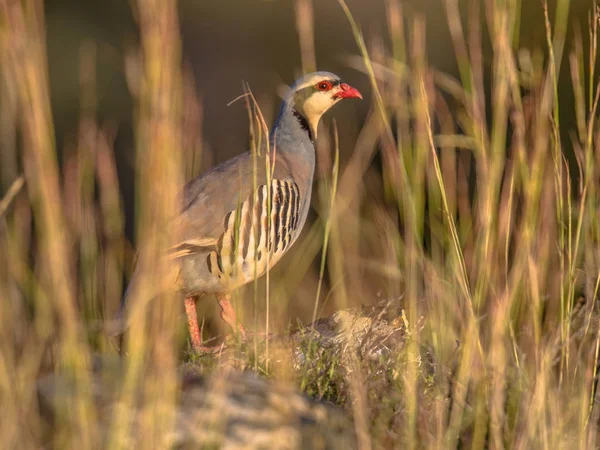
[239,218]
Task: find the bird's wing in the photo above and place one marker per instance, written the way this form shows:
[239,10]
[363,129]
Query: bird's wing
[210,200]
[257,228]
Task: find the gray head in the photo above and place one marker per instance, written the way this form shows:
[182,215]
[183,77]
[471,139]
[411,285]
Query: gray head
[313,94]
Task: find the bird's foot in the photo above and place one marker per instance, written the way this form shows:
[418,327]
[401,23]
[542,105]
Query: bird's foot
[208,349]
[230,341]
[228,315]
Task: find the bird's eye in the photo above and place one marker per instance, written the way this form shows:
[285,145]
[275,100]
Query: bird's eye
[324,86]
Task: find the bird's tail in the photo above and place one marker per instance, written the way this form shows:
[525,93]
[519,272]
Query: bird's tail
[121,321]
[116,327]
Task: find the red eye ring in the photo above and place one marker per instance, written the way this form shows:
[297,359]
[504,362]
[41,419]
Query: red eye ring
[324,86]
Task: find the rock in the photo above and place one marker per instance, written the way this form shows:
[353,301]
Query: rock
[255,412]
[221,404]
[229,410]
[362,332]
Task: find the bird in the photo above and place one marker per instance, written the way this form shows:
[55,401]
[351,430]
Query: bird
[240,217]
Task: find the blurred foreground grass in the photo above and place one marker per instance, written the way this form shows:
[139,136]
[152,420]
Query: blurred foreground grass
[479,225]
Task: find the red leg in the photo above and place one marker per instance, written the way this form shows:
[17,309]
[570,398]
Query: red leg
[228,314]
[190,310]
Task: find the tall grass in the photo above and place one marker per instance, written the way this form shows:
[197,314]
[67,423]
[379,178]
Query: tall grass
[482,224]
[501,274]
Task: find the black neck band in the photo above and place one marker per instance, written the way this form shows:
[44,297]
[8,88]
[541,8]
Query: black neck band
[303,123]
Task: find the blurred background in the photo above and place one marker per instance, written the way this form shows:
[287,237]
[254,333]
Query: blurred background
[468,198]
[225,44]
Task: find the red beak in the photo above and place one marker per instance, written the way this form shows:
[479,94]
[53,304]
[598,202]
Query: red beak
[347,91]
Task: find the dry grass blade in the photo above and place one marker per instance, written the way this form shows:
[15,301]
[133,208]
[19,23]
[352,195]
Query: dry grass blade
[333,191]
[27,64]
[151,345]
[12,192]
